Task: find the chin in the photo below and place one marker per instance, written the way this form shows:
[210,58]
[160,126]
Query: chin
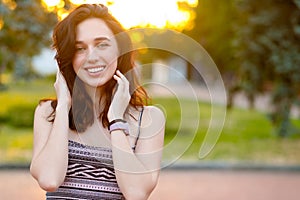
[99,84]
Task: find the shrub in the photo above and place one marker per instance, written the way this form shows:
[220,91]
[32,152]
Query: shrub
[20,115]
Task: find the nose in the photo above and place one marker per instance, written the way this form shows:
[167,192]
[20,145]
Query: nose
[92,56]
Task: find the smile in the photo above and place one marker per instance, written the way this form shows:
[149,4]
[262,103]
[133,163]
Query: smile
[96,69]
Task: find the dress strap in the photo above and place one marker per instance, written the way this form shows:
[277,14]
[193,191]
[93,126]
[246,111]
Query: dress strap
[139,128]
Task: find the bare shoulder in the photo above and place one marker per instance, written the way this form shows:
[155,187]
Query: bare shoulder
[154,112]
[153,118]
[43,109]
[152,130]
[41,126]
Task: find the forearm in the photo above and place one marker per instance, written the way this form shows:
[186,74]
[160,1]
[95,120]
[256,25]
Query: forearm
[135,180]
[50,164]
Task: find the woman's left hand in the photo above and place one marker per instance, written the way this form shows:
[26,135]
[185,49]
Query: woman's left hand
[120,99]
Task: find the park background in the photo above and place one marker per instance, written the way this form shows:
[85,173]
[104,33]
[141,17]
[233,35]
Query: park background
[254,44]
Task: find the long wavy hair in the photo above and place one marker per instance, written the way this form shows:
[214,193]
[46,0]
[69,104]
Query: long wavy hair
[64,36]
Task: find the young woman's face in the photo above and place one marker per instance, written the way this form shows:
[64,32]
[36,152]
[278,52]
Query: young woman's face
[95,59]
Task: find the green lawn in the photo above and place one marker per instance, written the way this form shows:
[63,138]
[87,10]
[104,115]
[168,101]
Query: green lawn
[16,116]
[246,136]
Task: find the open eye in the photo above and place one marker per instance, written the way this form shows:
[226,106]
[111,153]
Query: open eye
[80,49]
[102,45]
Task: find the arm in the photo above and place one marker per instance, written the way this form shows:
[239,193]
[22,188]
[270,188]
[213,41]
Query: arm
[136,172]
[50,152]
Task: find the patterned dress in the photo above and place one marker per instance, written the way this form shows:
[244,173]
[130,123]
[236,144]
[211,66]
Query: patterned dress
[90,175]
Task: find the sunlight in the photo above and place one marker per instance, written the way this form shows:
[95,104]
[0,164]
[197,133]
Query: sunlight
[1,23]
[10,4]
[139,13]
[51,3]
[54,5]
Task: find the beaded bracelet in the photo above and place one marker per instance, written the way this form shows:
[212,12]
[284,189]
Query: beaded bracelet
[119,124]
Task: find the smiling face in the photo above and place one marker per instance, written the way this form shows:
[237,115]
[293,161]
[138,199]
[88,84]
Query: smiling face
[96,56]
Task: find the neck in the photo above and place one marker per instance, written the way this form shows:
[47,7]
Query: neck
[95,94]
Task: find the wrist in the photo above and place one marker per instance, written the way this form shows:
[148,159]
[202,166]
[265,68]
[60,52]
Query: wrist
[63,106]
[112,118]
[118,125]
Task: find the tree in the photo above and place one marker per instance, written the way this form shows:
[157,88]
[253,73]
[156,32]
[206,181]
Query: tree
[255,44]
[269,49]
[24,30]
[214,29]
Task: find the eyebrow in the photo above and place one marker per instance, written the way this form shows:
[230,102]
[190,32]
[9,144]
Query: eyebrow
[97,39]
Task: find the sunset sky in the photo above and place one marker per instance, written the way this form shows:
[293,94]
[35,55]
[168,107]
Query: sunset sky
[141,13]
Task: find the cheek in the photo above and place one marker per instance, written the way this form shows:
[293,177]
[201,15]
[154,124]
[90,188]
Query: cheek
[114,64]
[112,68]
[77,63]
[112,60]
[111,57]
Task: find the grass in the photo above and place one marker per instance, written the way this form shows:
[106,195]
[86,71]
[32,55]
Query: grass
[16,140]
[16,144]
[246,136]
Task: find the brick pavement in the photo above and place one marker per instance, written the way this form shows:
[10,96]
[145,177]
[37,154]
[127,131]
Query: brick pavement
[184,185]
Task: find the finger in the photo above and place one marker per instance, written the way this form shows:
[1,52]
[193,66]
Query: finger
[117,78]
[123,84]
[114,90]
[57,79]
[123,78]
[61,77]
[57,74]
[119,73]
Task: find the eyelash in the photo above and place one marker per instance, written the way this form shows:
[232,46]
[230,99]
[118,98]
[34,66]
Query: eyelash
[80,48]
[103,45]
[100,46]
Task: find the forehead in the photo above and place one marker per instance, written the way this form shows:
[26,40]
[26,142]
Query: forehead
[92,28]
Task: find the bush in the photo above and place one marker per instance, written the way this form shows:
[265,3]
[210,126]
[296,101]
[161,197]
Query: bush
[20,115]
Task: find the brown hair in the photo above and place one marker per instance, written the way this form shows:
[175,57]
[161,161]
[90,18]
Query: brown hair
[81,116]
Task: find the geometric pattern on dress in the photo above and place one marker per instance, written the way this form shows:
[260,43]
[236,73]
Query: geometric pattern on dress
[90,175]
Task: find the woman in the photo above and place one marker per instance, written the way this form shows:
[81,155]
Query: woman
[98,139]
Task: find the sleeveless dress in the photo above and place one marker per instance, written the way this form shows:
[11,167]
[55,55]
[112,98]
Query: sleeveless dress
[90,174]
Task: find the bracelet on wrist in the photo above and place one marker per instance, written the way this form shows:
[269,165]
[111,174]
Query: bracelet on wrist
[116,120]
[119,124]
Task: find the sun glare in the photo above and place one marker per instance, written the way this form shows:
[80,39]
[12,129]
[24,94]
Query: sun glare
[10,4]
[52,3]
[139,13]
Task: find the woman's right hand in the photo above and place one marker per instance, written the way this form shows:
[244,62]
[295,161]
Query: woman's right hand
[62,91]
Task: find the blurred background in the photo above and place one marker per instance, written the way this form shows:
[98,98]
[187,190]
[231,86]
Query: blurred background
[255,49]
[254,44]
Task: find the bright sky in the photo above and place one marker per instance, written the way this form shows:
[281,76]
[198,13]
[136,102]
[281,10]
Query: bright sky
[141,13]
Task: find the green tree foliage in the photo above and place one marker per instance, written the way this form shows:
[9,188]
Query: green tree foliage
[269,49]
[214,29]
[255,45]
[297,2]
[24,31]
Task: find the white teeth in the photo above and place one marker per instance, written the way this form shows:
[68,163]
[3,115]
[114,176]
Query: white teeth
[95,70]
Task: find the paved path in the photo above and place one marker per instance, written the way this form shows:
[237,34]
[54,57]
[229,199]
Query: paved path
[183,185]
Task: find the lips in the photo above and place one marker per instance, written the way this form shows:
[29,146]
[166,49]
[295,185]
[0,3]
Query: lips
[96,69]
